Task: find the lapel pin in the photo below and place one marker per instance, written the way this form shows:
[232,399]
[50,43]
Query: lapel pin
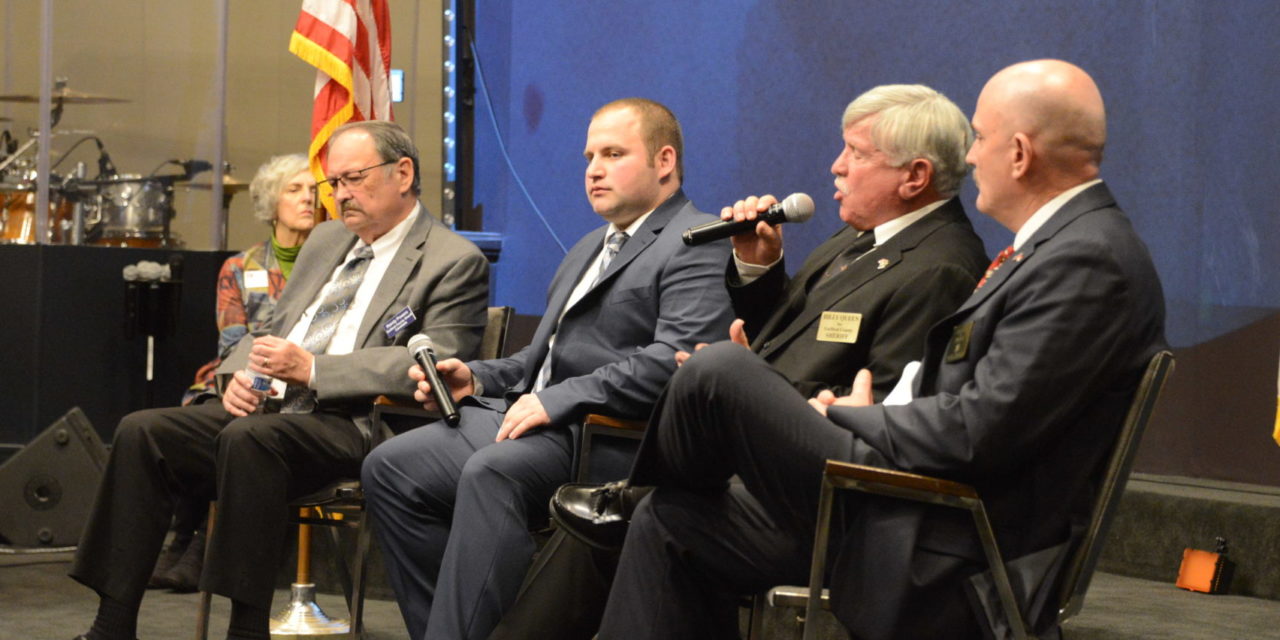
[1018,258]
[882,263]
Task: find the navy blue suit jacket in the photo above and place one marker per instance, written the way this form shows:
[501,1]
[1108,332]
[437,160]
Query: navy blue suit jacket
[615,348]
[1021,394]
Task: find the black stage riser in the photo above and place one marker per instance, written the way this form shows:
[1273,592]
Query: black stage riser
[1159,516]
[64,312]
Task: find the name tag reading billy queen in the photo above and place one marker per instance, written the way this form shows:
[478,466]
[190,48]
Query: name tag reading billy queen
[839,326]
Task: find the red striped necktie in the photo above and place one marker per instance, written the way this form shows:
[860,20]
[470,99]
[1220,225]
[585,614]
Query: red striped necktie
[995,264]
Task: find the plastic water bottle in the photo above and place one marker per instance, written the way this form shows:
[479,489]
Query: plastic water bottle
[259,382]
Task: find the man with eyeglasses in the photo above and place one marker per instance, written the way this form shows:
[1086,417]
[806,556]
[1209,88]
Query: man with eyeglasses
[360,288]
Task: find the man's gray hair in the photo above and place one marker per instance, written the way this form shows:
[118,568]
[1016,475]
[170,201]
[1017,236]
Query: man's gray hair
[391,143]
[917,122]
[268,183]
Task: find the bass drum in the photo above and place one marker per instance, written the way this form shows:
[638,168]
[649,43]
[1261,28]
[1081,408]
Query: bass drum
[18,220]
[130,213]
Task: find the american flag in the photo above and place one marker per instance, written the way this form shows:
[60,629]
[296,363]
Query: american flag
[349,44]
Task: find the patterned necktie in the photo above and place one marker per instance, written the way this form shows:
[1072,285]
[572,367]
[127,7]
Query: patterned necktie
[300,399]
[864,243]
[995,264]
[611,248]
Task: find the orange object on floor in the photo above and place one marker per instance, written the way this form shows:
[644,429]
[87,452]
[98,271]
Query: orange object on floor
[1201,571]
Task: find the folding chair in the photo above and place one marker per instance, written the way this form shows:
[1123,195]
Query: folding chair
[1080,564]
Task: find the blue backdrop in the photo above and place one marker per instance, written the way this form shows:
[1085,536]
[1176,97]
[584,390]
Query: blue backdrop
[760,86]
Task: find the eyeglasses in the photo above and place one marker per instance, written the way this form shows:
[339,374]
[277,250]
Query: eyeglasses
[352,179]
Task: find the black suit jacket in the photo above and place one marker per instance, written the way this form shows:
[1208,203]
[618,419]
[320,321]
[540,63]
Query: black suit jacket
[900,289]
[1021,393]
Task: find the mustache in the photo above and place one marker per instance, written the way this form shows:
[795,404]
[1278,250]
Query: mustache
[350,205]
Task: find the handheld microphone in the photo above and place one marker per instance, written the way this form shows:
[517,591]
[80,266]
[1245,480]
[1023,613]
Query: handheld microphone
[425,354]
[105,166]
[797,207]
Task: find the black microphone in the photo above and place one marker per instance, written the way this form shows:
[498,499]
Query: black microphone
[424,352]
[798,207]
[105,166]
[193,166]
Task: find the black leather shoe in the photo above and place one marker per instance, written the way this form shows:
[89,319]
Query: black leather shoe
[184,576]
[597,514]
[164,564]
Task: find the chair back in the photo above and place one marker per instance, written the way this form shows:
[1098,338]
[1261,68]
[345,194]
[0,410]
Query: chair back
[1085,559]
[494,343]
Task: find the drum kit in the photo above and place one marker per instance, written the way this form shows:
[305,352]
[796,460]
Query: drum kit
[112,210]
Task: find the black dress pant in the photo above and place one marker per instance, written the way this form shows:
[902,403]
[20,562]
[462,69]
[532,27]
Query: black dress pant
[697,542]
[253,466]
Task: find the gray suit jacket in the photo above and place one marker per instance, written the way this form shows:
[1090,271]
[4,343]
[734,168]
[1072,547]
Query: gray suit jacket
[615,348]
[1021,393]
[438,274]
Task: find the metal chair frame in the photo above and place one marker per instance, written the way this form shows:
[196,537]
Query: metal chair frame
[839,475]
[596,425]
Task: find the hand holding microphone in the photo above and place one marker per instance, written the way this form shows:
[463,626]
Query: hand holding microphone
[424,353]
[797,207]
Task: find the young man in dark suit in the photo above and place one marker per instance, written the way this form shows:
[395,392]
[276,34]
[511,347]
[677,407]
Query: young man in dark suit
[1020,394]
[454,505]
[906,257]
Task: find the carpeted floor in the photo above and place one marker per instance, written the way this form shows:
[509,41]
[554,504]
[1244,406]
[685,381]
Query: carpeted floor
[38,602]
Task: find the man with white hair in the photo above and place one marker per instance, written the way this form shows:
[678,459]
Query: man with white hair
[1020,394]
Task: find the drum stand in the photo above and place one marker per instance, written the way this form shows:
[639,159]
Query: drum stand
[167,217]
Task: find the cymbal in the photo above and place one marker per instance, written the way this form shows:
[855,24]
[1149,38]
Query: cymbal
[64,95]
[229,185]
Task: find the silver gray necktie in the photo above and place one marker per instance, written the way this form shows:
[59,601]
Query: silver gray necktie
[299,399]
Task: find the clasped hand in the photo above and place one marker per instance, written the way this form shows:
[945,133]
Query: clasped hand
[859,395]
[272,356]
[737,335]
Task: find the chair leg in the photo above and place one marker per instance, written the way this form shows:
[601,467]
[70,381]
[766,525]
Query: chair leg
[755,623]
[340,565]
[817,569]
[363,542]
[206,598]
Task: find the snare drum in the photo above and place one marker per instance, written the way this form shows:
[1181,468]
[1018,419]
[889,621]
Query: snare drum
[131,213]
[18,220]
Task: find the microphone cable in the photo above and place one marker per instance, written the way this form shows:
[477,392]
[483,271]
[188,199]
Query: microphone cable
[484,88]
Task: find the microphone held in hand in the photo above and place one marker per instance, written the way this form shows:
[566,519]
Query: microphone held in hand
[425,354]
[798,207]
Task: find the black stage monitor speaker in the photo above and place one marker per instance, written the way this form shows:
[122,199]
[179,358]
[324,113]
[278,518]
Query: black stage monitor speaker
[48,487]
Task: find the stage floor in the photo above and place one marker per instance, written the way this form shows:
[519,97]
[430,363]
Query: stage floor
[37,600]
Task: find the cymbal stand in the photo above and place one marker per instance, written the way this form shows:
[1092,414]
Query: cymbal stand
[77,206]
[17,154]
